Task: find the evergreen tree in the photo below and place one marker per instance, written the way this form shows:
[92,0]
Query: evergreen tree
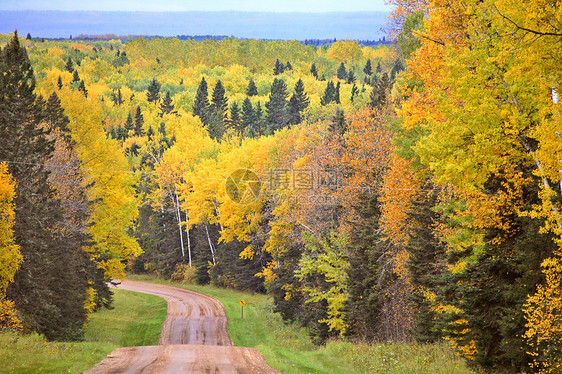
[301,96]
[150,133]
[69,66]
[219,101]
[55,117]
[121,133]
[354,92]
[201,103]
[129,124]
[279,68]
[368,70]
[75,76]
[378,97]
[277,111]
[288,66]
[329,94]
[166,106]
[258,128]
[119,97]
[252,89]
[59,82]
[248,116]
[294,112]
[139,122]
[28,37]
[234,121]
[337,93]
[153,92]
[82,87]
[342,73]
[378,68]
[313,71]
[50,287]
[350,77]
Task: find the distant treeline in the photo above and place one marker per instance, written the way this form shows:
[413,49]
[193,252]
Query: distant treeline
[316,42]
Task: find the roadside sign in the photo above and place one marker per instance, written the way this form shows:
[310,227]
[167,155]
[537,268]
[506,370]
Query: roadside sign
[242,302]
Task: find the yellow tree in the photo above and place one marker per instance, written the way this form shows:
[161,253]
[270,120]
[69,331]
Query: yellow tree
[10,256]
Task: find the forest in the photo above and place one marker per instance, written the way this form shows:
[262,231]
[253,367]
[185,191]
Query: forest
[399,192]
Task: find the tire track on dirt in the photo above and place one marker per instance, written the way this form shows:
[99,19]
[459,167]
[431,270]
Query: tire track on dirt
[194,339]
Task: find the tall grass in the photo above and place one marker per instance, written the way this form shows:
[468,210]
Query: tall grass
[135,320]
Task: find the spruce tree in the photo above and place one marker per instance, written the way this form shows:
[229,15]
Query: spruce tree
[119,97]
[337,93]
[129,124]
[279,68]
[258,128]
[288,66]
[248,116]
[59,82]
[301,96]
[350,77]
[139,122]
[49,289]
[252,89]
[82,87]
[378,97]
[294,112]
[219,101]
[354,92]
[234,120]
[342,73]
[69,66]
[28,37]
[329,93]
[75,76]
[313,71]
[166,106]
[277,111]
[368,70]
[201,103]
[153,92]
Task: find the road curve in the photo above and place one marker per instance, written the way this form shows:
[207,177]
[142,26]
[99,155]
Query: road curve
[194,339]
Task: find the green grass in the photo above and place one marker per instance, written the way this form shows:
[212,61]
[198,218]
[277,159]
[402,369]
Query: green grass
[288,348]
[136,320]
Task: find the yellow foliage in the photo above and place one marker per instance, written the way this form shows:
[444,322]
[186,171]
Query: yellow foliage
[8,316]
[346,51]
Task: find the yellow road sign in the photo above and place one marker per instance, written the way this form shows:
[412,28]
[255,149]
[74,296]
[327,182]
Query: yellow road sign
[242,302]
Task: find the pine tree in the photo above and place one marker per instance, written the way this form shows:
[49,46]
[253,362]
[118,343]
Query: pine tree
[354,92]
[301,96]
[201,103]
[82,87]
[350,77]
[121,133]
[69,66]
[119,97]
[338,125]
[279,68]
[49,289]
[234,120]
[129,124]
[252,89]
[258,128]
[288,66]
[378,97]
[313,71]
[329,93]
[378,68]
[153,92]
[337,93]
[368,70]
[294,112]
[150,133]
[219,101]
[59,82]
[75,76]
[166,106]
[277,111]
[28,37]
[248,116]
[139,122]
[342,73]
[54,116]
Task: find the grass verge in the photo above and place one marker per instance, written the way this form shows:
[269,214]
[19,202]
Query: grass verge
[288,348]
[135,320]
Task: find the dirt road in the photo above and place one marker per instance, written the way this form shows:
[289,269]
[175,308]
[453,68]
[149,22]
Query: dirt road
[194,339]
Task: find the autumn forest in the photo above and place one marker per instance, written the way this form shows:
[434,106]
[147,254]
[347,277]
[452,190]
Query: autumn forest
[409,191]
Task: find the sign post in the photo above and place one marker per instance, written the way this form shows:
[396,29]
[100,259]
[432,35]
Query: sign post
[242,303]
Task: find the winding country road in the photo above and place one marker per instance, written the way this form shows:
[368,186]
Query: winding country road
[194,339]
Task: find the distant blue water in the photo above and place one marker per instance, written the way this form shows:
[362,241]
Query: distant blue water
[300,26]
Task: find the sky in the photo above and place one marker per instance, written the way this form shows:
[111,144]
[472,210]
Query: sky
[199,5]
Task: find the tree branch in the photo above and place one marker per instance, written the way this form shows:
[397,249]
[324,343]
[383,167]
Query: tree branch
[540,33]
